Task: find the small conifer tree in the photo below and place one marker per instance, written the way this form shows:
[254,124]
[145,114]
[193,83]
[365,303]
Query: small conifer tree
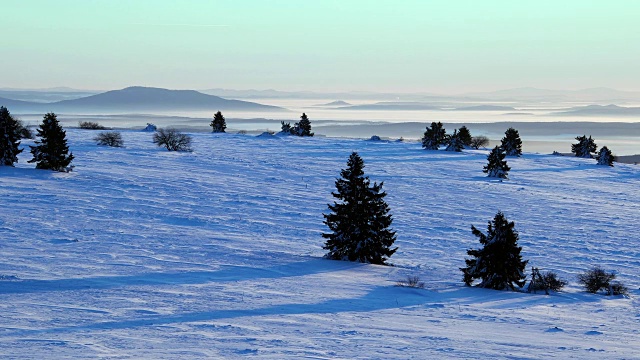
[434,136]
[496,164]
[454,142]
[51,151]
[303,127]
[286,128]
[585,147]
[511,142]
[605,157]
[465,136]
[498,264]
[360,222]
[9,138]
[218,123]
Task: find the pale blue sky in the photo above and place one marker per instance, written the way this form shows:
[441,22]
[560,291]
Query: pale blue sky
[434,46]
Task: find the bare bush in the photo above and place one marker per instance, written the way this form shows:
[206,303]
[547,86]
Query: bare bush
[597,279]
[479,141]
[110,138]
[547,281]
[90,125]
[24,131]
[412,282]
[172,139]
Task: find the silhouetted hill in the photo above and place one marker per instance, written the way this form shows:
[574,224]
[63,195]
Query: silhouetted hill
[137,98]
[392,106]
[335,103]
[600,110]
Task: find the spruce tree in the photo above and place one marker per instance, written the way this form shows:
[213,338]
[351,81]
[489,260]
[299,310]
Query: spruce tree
[218,123]
[286,128]
[511,142]
[9,138]
[585,147]
[360,222]
[496,164]
[605,157]
[454,142]
[303,127]
[465,136]
[498,264]
[51,150]
[435,136]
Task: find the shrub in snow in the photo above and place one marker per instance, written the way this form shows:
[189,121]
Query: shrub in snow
[24,131]
[454,142]
[496,164]
[465,136]
[585,147]
[435,136]
[150,127]
[360,222]
[218,124]
[596,279]
[479,141]
[172,139]
[9,138]
[511,143]
[545,281]
[412,282]
[109,138]
[89,125]
[375,138]
[605,157]
[51,151]
[498,264]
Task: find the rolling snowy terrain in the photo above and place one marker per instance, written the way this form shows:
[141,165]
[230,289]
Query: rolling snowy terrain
[144,253]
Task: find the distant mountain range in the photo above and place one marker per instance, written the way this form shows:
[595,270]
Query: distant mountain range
[140,99]
[598,94]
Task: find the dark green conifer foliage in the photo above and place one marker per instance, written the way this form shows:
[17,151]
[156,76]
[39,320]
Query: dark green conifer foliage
[303,127]
[496,164]
[218,123]
[286,128]
[360,221]
[511,142]
[585,147]
[465,136]
[498,264]
[9,138]
[435,136]
[51,150]
[454,142]
[605,157]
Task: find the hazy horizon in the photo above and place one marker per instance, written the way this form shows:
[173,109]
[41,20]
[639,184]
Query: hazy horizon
[441,47]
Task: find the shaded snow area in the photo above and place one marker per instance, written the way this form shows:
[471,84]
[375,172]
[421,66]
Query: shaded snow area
[144,253]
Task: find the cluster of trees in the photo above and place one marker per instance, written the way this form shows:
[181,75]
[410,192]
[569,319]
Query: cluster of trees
[301,128]
[436,136]
[51,150]
[586,148]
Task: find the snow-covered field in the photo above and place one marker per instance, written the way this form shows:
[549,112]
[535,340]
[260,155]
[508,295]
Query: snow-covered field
[144,253]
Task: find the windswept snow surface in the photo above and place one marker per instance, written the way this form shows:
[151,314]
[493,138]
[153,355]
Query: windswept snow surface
[144,253]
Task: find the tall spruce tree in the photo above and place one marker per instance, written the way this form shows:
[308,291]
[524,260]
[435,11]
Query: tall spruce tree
[496,164]
[511,142]
[605,156]
[454,142]
[51,150]
[218,123]
[434,136]
[465,136]
[360,221]
[585,147]
[303,127]
[9,138]
[498,264]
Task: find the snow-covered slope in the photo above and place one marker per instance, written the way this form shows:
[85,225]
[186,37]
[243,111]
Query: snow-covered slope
[144,253]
